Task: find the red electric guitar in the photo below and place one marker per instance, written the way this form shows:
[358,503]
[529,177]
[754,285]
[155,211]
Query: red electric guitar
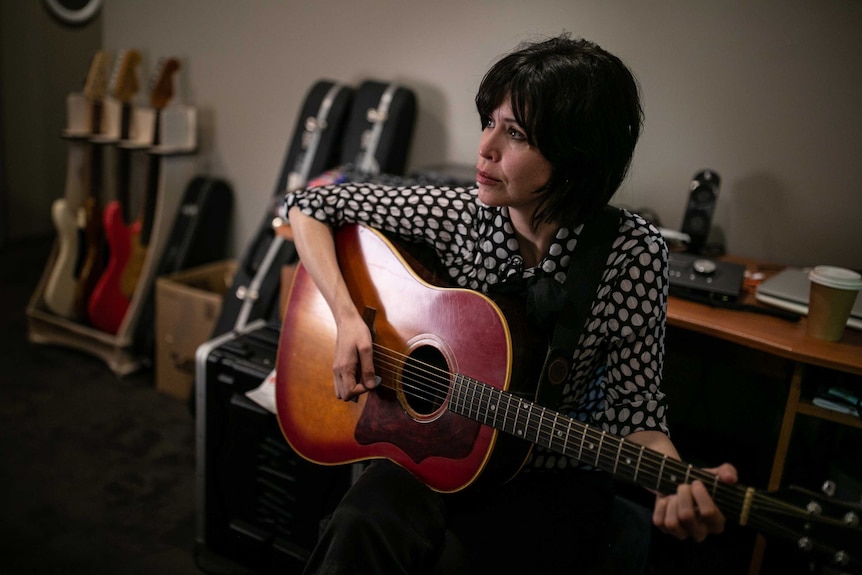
[455,399]
[60,288]
[161,92]
[108,304]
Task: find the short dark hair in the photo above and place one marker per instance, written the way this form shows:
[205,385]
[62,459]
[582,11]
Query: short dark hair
[580,106]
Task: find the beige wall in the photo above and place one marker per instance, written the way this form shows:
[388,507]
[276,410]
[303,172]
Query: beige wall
[767,93]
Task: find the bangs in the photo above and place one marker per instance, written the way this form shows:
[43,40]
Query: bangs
[508,79]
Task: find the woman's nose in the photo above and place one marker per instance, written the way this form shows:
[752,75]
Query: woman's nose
[488,145]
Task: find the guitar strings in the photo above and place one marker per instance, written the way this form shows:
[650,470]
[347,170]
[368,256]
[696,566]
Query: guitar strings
[437,379]
[432,384]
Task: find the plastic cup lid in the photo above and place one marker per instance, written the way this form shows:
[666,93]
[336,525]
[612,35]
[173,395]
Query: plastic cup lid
[835,277]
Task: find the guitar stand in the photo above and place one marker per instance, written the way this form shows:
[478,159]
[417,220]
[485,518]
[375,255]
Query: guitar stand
[178,126]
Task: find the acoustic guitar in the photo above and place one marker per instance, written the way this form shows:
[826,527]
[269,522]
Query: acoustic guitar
[59,293]
[453,404]
[161,93]
[108,304]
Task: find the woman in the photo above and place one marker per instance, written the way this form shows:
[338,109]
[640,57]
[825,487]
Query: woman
[559,120]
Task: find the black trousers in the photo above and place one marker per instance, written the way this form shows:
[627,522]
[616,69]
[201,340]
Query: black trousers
[389,523]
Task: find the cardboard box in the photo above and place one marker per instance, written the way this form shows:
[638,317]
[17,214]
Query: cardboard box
[188,304]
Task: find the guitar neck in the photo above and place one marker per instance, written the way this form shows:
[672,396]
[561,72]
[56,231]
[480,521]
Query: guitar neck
[624,459]
[124,161]
[153,174]
[96,154]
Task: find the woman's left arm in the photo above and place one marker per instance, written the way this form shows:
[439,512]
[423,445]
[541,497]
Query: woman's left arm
[691,511]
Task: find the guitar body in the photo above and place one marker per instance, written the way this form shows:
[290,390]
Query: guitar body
[131,272]
[59,294]
[108,305]
[93,262]
[453,330]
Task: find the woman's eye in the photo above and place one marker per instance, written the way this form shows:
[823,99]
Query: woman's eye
[516,135]
[487,122]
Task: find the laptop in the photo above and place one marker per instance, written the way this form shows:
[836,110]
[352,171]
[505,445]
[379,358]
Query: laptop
[788,289]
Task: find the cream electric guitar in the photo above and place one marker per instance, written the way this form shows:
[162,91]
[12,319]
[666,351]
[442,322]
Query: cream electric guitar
[59,293]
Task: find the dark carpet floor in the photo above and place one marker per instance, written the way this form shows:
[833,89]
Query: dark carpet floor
[97,472]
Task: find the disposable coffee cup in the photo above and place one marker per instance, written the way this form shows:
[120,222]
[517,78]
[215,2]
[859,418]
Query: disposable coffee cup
[833,293]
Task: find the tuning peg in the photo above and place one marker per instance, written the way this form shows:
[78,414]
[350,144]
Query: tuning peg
[814,508]
[829,488]
[851,518]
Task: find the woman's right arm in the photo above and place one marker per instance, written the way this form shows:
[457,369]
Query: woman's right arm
[353,366]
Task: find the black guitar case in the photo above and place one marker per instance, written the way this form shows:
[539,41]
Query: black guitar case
[198,236]
[314,147]
[380,129]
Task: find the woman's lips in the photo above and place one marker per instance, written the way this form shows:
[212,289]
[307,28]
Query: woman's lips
[486,179]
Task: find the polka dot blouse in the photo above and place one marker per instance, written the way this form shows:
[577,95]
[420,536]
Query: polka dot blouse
[615,383]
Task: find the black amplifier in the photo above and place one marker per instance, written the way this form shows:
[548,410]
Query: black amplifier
[259,503]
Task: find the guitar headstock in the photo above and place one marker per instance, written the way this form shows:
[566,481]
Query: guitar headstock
[97,78]
[124,80]
[163,83]
[827,529]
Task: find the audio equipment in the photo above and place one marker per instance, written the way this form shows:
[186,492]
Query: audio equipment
[694,276]
[259,503]
[697,221]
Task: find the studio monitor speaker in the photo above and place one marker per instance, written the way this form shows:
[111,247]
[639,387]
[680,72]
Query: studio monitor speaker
[697,221]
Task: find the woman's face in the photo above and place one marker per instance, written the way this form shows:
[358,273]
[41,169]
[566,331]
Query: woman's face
[510,170]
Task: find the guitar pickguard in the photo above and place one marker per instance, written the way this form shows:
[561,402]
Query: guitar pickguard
[385,419]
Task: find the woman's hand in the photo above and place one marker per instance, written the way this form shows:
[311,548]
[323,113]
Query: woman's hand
[691,511]
[353,366]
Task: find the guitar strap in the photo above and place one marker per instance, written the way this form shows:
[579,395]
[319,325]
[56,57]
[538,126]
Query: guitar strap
[588,262]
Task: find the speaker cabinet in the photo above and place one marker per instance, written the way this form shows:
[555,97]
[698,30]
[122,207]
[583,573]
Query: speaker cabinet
[697,221]
[259,503]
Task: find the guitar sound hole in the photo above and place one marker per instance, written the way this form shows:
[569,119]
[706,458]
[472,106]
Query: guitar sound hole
[425,380]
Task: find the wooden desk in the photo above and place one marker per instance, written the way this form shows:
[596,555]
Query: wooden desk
[783,339]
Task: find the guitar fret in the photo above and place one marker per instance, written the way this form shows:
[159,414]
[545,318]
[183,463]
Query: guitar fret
[456,393]
[478,403]
[518,430]
[583,440]
[617,458]
[506,413]
[660,472]
[492,406]
[566,440]
[556,433]
[638,466]
[539,428]
[466,406]
[599,450]
[472,403]
[487,399]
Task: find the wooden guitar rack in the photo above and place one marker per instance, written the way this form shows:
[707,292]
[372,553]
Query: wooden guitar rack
[176,153]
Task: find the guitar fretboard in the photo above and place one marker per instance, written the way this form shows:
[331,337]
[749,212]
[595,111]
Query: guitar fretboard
[624,459]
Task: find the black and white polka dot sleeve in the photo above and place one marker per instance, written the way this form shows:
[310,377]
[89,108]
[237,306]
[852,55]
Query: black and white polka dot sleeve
[440,217]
